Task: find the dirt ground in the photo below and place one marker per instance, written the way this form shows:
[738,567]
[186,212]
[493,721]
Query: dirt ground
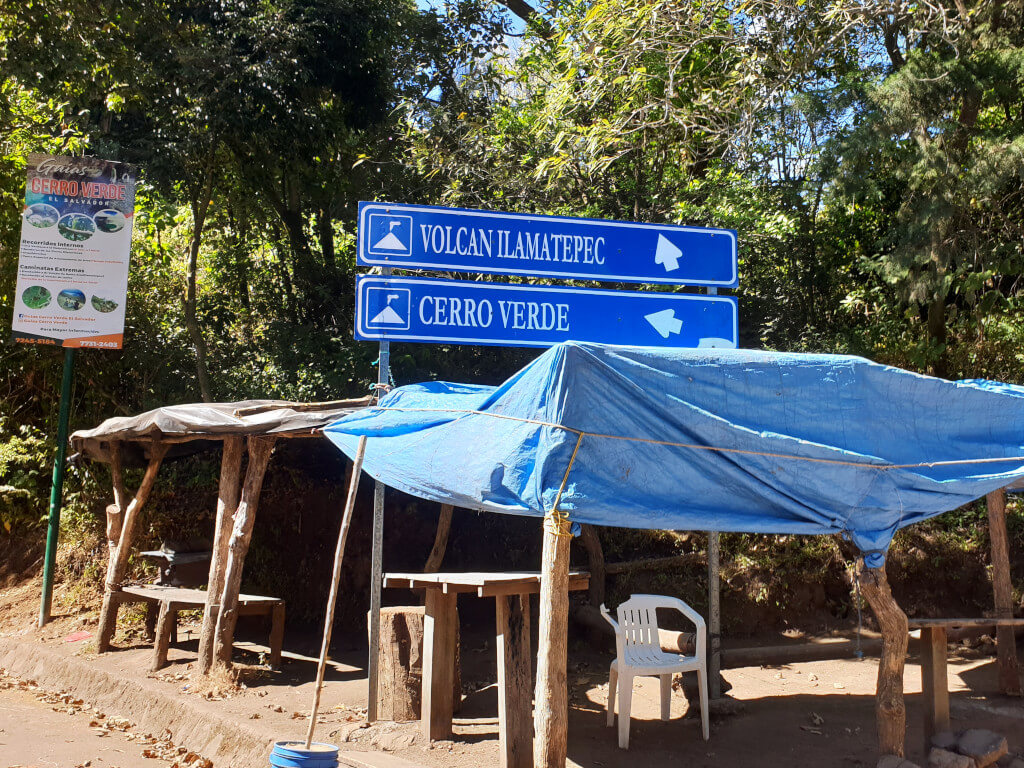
[799,715]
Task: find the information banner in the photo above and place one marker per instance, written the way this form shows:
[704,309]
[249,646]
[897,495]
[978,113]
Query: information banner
[76,234]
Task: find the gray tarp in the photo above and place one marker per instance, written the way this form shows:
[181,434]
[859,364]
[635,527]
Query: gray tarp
[194,426]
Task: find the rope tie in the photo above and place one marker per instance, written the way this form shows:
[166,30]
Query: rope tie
[556,521]
[716,449]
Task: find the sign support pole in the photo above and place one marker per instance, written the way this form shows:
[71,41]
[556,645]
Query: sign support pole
[57,488]
[377,549]
[714,604]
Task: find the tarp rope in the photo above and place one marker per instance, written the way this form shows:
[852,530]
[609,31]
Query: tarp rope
[557,521]
[697,447]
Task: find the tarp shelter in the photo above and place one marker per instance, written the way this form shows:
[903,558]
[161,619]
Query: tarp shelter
[711,440]
[148,438]
[706,440]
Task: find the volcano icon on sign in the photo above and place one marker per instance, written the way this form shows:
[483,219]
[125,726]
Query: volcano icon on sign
[390,235]
[392,307]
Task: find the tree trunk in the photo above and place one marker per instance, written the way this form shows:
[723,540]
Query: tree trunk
[890,709]
[400,663]
[200,207]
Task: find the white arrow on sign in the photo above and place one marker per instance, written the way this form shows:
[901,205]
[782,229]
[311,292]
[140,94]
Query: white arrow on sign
[667,254]
[665,322]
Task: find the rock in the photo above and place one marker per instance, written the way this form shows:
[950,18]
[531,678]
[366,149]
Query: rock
[943,758]
[984,746]
[1010,761]
[892,761]
[946,740]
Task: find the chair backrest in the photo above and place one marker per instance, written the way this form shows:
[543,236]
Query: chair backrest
[637,627]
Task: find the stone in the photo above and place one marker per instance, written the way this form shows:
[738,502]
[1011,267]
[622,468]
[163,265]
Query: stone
[1010,761]
[984,746]
[892,761]
[943,758]
[946,740]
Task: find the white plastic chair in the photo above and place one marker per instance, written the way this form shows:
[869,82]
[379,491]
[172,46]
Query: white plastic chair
[638,653]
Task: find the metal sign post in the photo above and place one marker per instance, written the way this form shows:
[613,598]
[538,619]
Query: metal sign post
[57,488]
[377,550]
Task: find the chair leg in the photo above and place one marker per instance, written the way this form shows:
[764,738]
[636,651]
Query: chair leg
[702,679]
[666,696]
[613,678]
[625,704]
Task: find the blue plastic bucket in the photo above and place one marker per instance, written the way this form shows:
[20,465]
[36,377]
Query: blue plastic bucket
[293,754]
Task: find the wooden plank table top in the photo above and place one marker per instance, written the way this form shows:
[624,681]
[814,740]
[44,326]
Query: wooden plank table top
[483,583]
[511,591]
[972,622]
[190,596]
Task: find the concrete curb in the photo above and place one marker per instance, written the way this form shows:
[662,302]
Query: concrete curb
[194,725]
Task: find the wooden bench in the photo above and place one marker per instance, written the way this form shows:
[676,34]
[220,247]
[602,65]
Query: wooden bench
[169,600]
[934,684]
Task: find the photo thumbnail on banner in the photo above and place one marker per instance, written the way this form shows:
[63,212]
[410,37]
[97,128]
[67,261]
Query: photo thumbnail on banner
[76,236]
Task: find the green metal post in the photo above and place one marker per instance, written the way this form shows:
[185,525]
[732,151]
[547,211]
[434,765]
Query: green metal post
[57,489]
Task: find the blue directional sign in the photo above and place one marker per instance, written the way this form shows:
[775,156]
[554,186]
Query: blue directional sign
[462,312]
[457,239]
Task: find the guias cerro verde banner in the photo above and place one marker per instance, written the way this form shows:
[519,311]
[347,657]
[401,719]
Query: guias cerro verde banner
[76,234]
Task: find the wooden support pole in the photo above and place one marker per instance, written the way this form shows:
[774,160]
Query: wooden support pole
[440,622]
[339,554]
[1002,588]
[890,709]
[514,665]
[227,504]
[117,564]
[115,512]
[595,564]
[551,702]
[934,685]
[260,448]
[444,526]
[714,615]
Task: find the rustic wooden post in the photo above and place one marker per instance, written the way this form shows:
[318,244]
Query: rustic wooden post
[514,664]
[227,503]
[339,554]
[890,709]
[1006,644]
[260,448]
[118,561]
[440,635]
[115,511]
[444,525]
[595,564]
[551,702]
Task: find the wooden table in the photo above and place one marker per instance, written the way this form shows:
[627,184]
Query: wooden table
[934,685]
[170,600]
[511,592]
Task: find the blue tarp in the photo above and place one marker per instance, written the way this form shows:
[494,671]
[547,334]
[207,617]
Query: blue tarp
[707,440]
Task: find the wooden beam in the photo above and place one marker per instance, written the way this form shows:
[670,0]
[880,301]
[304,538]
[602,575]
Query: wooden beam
[260,449]
[551,702]
[595,564]
[514,665]
[444,525]
[890,708]
[117,563]
[1002,588]
[227,503]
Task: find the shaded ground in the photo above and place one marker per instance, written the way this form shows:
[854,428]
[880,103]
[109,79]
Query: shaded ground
[807,714]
